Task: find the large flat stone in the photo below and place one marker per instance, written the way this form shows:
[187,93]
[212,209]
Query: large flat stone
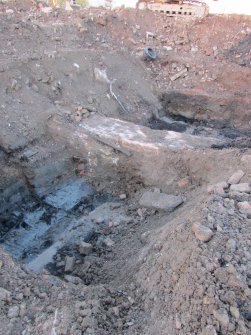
[162,201]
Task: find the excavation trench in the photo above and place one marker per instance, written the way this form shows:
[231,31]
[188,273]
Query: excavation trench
[48,210]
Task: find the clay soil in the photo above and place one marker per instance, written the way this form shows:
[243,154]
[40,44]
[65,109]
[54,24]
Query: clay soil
[148,272]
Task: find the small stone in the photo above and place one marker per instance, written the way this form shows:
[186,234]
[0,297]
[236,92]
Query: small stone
[178,324]
[236,177]
[4,294]
[122,196]
[1,265]
[218,188]
[73,279]
[27,291]
[13,312]
[202,233]
[235,312]
[209,330]
[84,248]
[144,237]
[78,116]
[167,48]
[108,242]
[160,201]
[231,245]
[221,316]
[69,264]
[90,100]
[115,311]
[243,187]
[245,206]
[19,296]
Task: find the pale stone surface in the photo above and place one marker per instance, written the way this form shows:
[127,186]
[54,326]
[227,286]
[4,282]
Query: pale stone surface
[160,201]
[202,233]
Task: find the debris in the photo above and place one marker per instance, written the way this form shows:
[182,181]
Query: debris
[108,242]
[245,206]
[101,75]
[236,177]
[235,312]
[209,330]
[73,279]
[4,294]
[13,312]
[167,48]
[69,264]
[123,196]
[179,74]
[243,187]
[150,54]
[46,10]
[84,248]
[221,316]
[76,66]
[149,35]
[9,11]
[202,233]
[218,188]
[162,201]
[68,6]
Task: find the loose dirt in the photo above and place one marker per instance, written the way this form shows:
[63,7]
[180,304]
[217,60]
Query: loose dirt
[118,214]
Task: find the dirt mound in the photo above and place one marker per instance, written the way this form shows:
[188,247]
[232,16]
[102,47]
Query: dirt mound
[105,161]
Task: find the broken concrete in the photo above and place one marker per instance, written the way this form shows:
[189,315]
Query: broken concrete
[162,201]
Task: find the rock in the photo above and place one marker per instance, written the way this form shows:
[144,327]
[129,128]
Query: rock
[231,245]
[69,264]
[107,242]
[221,316]
[243,187]
[245,206]
[160,201]
[46,10]
[4,294]
[236,177]
[202,233]
[13,312]
[238,196]
[247,315]
[1,264]
[84,248]
[235,312]
[122,196]
[73,279]
[179,74]
[217,188]
[167,48]
[144,237]
[209,330]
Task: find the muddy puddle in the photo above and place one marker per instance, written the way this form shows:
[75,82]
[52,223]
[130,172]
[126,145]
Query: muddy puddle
[35,228]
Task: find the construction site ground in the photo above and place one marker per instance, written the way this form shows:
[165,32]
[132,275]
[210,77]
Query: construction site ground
[125,183]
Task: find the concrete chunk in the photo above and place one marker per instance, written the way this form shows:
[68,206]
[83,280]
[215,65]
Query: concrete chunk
[162,201]
[243,187]
[84,248]
[236,177]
